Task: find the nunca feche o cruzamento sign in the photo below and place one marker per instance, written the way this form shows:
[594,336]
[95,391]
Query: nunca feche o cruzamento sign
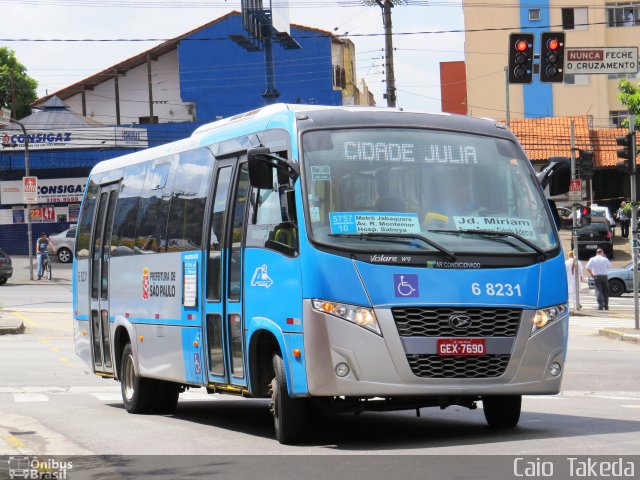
[604,60]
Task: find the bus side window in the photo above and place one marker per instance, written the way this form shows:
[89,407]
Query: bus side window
[124,221]
[186,214]
[235,244]
[266,227]
[153,213]
[218,215]
[86,222]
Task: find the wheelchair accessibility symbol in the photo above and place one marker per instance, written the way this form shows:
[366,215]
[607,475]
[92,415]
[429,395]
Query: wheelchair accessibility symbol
[406,286]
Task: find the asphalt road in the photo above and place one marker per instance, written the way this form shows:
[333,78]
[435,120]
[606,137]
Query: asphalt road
[51,404]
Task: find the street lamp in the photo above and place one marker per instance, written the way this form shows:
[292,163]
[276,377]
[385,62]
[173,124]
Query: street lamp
[26,171]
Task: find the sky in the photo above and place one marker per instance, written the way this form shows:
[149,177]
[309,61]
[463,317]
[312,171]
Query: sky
[55,65]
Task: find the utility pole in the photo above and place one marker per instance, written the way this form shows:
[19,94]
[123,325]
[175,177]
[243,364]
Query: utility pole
[634,220]
[26,174]
[386,6]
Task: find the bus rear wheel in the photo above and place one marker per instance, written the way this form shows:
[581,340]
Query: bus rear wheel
[138,394]
[502,411]
[289,414]
[167,397]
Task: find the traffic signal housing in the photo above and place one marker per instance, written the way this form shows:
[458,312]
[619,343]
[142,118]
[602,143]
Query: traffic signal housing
[521,58]
[586,164]
[627,153]
[585,216]
[552,57]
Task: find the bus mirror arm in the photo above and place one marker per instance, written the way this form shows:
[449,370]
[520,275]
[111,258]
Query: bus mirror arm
[261,162]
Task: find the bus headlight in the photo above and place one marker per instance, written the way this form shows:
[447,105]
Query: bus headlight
[364,317]
[546,316]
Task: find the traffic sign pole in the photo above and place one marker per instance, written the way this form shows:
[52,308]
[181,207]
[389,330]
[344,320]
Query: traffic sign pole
[574,230]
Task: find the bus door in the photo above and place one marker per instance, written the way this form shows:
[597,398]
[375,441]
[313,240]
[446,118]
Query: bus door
[99,279]
[223,306]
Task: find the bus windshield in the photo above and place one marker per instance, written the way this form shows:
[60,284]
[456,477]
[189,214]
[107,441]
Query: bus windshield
[377,189]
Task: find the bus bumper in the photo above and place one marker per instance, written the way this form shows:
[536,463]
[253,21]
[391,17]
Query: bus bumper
[379,365]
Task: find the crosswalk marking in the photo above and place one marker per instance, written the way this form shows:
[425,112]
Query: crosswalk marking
[30,397]
[108,397]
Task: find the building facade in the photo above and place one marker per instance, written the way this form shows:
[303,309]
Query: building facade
[593,24]
[164,94]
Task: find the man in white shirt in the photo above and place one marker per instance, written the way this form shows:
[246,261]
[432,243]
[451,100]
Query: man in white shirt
[598,267]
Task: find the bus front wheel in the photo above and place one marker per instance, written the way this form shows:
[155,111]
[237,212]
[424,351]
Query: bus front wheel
[502,411]
[138,393]
[289,414]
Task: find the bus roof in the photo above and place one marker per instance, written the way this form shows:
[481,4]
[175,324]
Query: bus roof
[258,119]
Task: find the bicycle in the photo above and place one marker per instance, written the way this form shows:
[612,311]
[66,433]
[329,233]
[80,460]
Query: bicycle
[46,266]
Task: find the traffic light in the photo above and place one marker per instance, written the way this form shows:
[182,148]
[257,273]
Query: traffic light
[585,215]
[552,57]
[520,57]
[586,164]
[627,152]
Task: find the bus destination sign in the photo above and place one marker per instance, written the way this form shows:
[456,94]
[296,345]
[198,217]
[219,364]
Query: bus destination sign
[603,60]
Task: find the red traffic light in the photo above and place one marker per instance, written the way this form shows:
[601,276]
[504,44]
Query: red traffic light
[522,45]
[585,211]
[553,44]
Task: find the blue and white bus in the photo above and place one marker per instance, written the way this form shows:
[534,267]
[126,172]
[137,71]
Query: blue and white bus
[324,257]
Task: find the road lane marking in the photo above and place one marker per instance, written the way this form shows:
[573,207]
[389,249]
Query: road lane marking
[26,320]
[13,442]
[30,397]
[607,397]
[54,350]
[630,406]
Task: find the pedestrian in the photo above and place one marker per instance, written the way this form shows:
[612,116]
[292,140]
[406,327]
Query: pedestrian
[624,215]
[598,266]
[573,268]
[42,246]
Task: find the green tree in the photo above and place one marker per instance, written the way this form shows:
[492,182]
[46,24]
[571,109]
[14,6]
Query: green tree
[630,98]
[14,78]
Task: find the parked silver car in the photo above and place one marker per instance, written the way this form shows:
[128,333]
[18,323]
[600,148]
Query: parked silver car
[65,243]
[620,280]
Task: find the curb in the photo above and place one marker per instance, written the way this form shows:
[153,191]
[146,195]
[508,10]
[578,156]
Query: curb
[618,335]
[12,330]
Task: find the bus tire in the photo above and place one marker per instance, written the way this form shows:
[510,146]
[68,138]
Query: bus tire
[138,394]
[502,411]
[289,414]
[166,399]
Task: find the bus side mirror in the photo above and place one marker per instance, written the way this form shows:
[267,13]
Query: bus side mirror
[260,169]
[556,175]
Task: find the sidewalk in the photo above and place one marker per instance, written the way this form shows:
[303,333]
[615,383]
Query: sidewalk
[61,272]
[10,325]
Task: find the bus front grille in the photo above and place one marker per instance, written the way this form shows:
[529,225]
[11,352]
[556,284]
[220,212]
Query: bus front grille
[434,366]
[439,321]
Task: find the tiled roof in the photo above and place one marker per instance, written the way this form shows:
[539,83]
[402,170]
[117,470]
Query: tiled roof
[604,145]
[542,138]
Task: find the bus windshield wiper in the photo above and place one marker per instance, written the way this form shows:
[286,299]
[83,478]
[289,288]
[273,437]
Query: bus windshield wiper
[400,236]
[493,233]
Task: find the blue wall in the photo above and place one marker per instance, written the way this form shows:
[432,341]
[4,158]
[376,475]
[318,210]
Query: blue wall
[224,79]
[538,97]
